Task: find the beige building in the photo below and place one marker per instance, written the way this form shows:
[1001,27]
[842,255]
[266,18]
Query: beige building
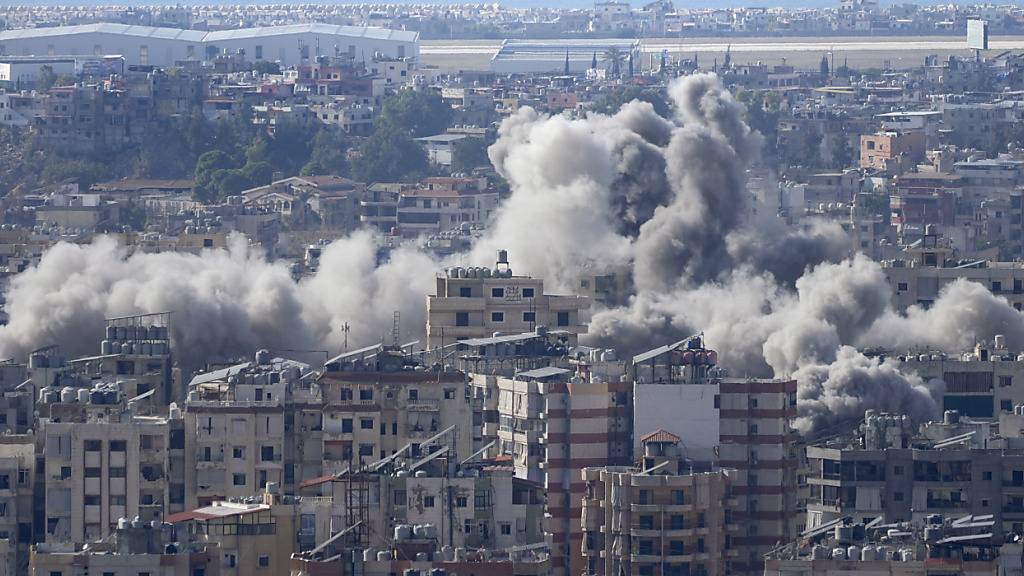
[134,549]
[373,406]
[658,519]
[236,434]
[243,538]
[477,302]
[105,462]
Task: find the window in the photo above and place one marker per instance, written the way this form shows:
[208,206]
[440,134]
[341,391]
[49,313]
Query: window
[118,446]
[527,292]
[646,547]
[398,497]
[506,528]
[449,393]
[462,318]
[676,548]
[264,560]
[986,475]
[997,286]
[677,522]
[366,449]
[563,318]
[529,317]
[267,453]
[465,292]
[497,316]
[644,497]
[366,423]
[238,453]
[897,470]
[259,52]
[1006,405]
[497,292]
[366,394]
[238,479]
[647,522]
[92,500]
[428,501]
[897,496]
[414,394]
[89,473]
[752,429]
[468,526]
[678,497]
[700,545]
[93,445]
[65,472]
[1005,381]
[346,425]
[461,501]
[901,287]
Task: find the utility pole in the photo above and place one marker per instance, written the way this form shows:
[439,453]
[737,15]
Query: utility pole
[344,330]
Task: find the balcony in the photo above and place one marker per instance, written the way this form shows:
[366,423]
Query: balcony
[422,405]
[645,532]
[645,507]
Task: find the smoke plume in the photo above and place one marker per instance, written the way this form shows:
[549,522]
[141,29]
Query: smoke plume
[662,204]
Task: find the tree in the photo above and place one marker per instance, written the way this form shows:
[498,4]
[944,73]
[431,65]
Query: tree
[613,101]
[823,67]
[328,154]
[842,153]
[417,113]
[390,155]
[47,78]
[266,67]
[615,58]
[811,154]
[469,153]
[208,167]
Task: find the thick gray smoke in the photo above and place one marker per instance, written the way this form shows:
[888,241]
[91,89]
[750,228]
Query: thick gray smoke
[663,204]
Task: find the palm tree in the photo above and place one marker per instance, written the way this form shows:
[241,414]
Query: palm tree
[615,57]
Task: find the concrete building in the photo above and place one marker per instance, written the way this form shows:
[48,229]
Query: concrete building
[477,302]
[887,151]
[888,469]
[658,518]
[757,440]
[550,56]
[288,45]
[104,461]
[376,402]
[956,544]
[442,204]
[247,425]
[247,537]
[134,548]
[17,501]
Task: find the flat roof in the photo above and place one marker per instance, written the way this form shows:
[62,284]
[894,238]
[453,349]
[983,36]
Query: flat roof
[199,36]
[541,373]
[217,510]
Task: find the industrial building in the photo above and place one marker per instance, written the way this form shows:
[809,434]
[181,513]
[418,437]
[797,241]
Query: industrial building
[290,45]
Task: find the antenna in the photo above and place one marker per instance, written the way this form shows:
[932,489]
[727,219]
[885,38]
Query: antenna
[396,329]
[345,330]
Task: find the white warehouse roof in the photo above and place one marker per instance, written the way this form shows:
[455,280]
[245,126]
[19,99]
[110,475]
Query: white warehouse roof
[199,36]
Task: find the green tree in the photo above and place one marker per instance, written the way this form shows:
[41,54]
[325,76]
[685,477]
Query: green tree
[229,183]
[328,154]
[266,67]
[47,78]
[811,153]
[611,103]
[58,168]
[614,57]
[842,153]
[390,155]
[470,153]
[258,173]
[823,66]
[417,113]
[209,166]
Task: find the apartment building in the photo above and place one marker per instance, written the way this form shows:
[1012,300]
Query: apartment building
[441,204]
[379,400]
[240,424]
[135,548]
[658,518]
[756,439]
[105,461]
[887,151]
[17,501]
[588,425]
[242,538]
[919,276]
[477,302]
[982,383]
[467,506]
[886,468]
